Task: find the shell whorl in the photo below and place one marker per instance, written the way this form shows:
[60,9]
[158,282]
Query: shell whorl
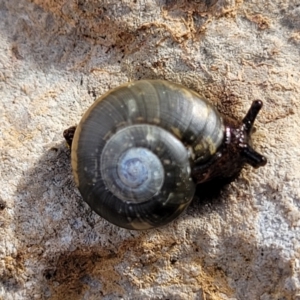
[141,125]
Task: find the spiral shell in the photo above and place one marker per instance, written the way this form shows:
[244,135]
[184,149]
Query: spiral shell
[134,149]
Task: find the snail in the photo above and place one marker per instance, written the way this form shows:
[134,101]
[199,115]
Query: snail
[140,150]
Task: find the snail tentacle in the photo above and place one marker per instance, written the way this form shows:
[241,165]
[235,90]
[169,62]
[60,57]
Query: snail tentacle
[251,115]
[253,158]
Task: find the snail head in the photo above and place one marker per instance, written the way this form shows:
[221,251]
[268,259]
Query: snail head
[235,151]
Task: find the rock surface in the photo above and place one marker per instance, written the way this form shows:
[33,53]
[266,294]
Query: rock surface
[56,58]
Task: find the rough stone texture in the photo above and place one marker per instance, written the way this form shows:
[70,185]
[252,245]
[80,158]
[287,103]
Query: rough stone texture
[56,57]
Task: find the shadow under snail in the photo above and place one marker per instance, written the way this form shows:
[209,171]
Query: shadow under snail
[140,150]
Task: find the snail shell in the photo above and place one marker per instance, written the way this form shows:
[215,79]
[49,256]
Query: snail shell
[139,151]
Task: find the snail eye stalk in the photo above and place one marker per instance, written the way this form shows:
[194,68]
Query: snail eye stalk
[252,157]
[251,115]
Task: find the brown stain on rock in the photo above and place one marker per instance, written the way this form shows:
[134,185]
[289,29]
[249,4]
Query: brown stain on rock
[261,21]
[93,21]
[73,272]
[12,270]
[106,23]
[213,282]
[144,264]
[157,262]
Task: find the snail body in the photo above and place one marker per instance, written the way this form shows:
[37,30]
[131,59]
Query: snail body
[140,149]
